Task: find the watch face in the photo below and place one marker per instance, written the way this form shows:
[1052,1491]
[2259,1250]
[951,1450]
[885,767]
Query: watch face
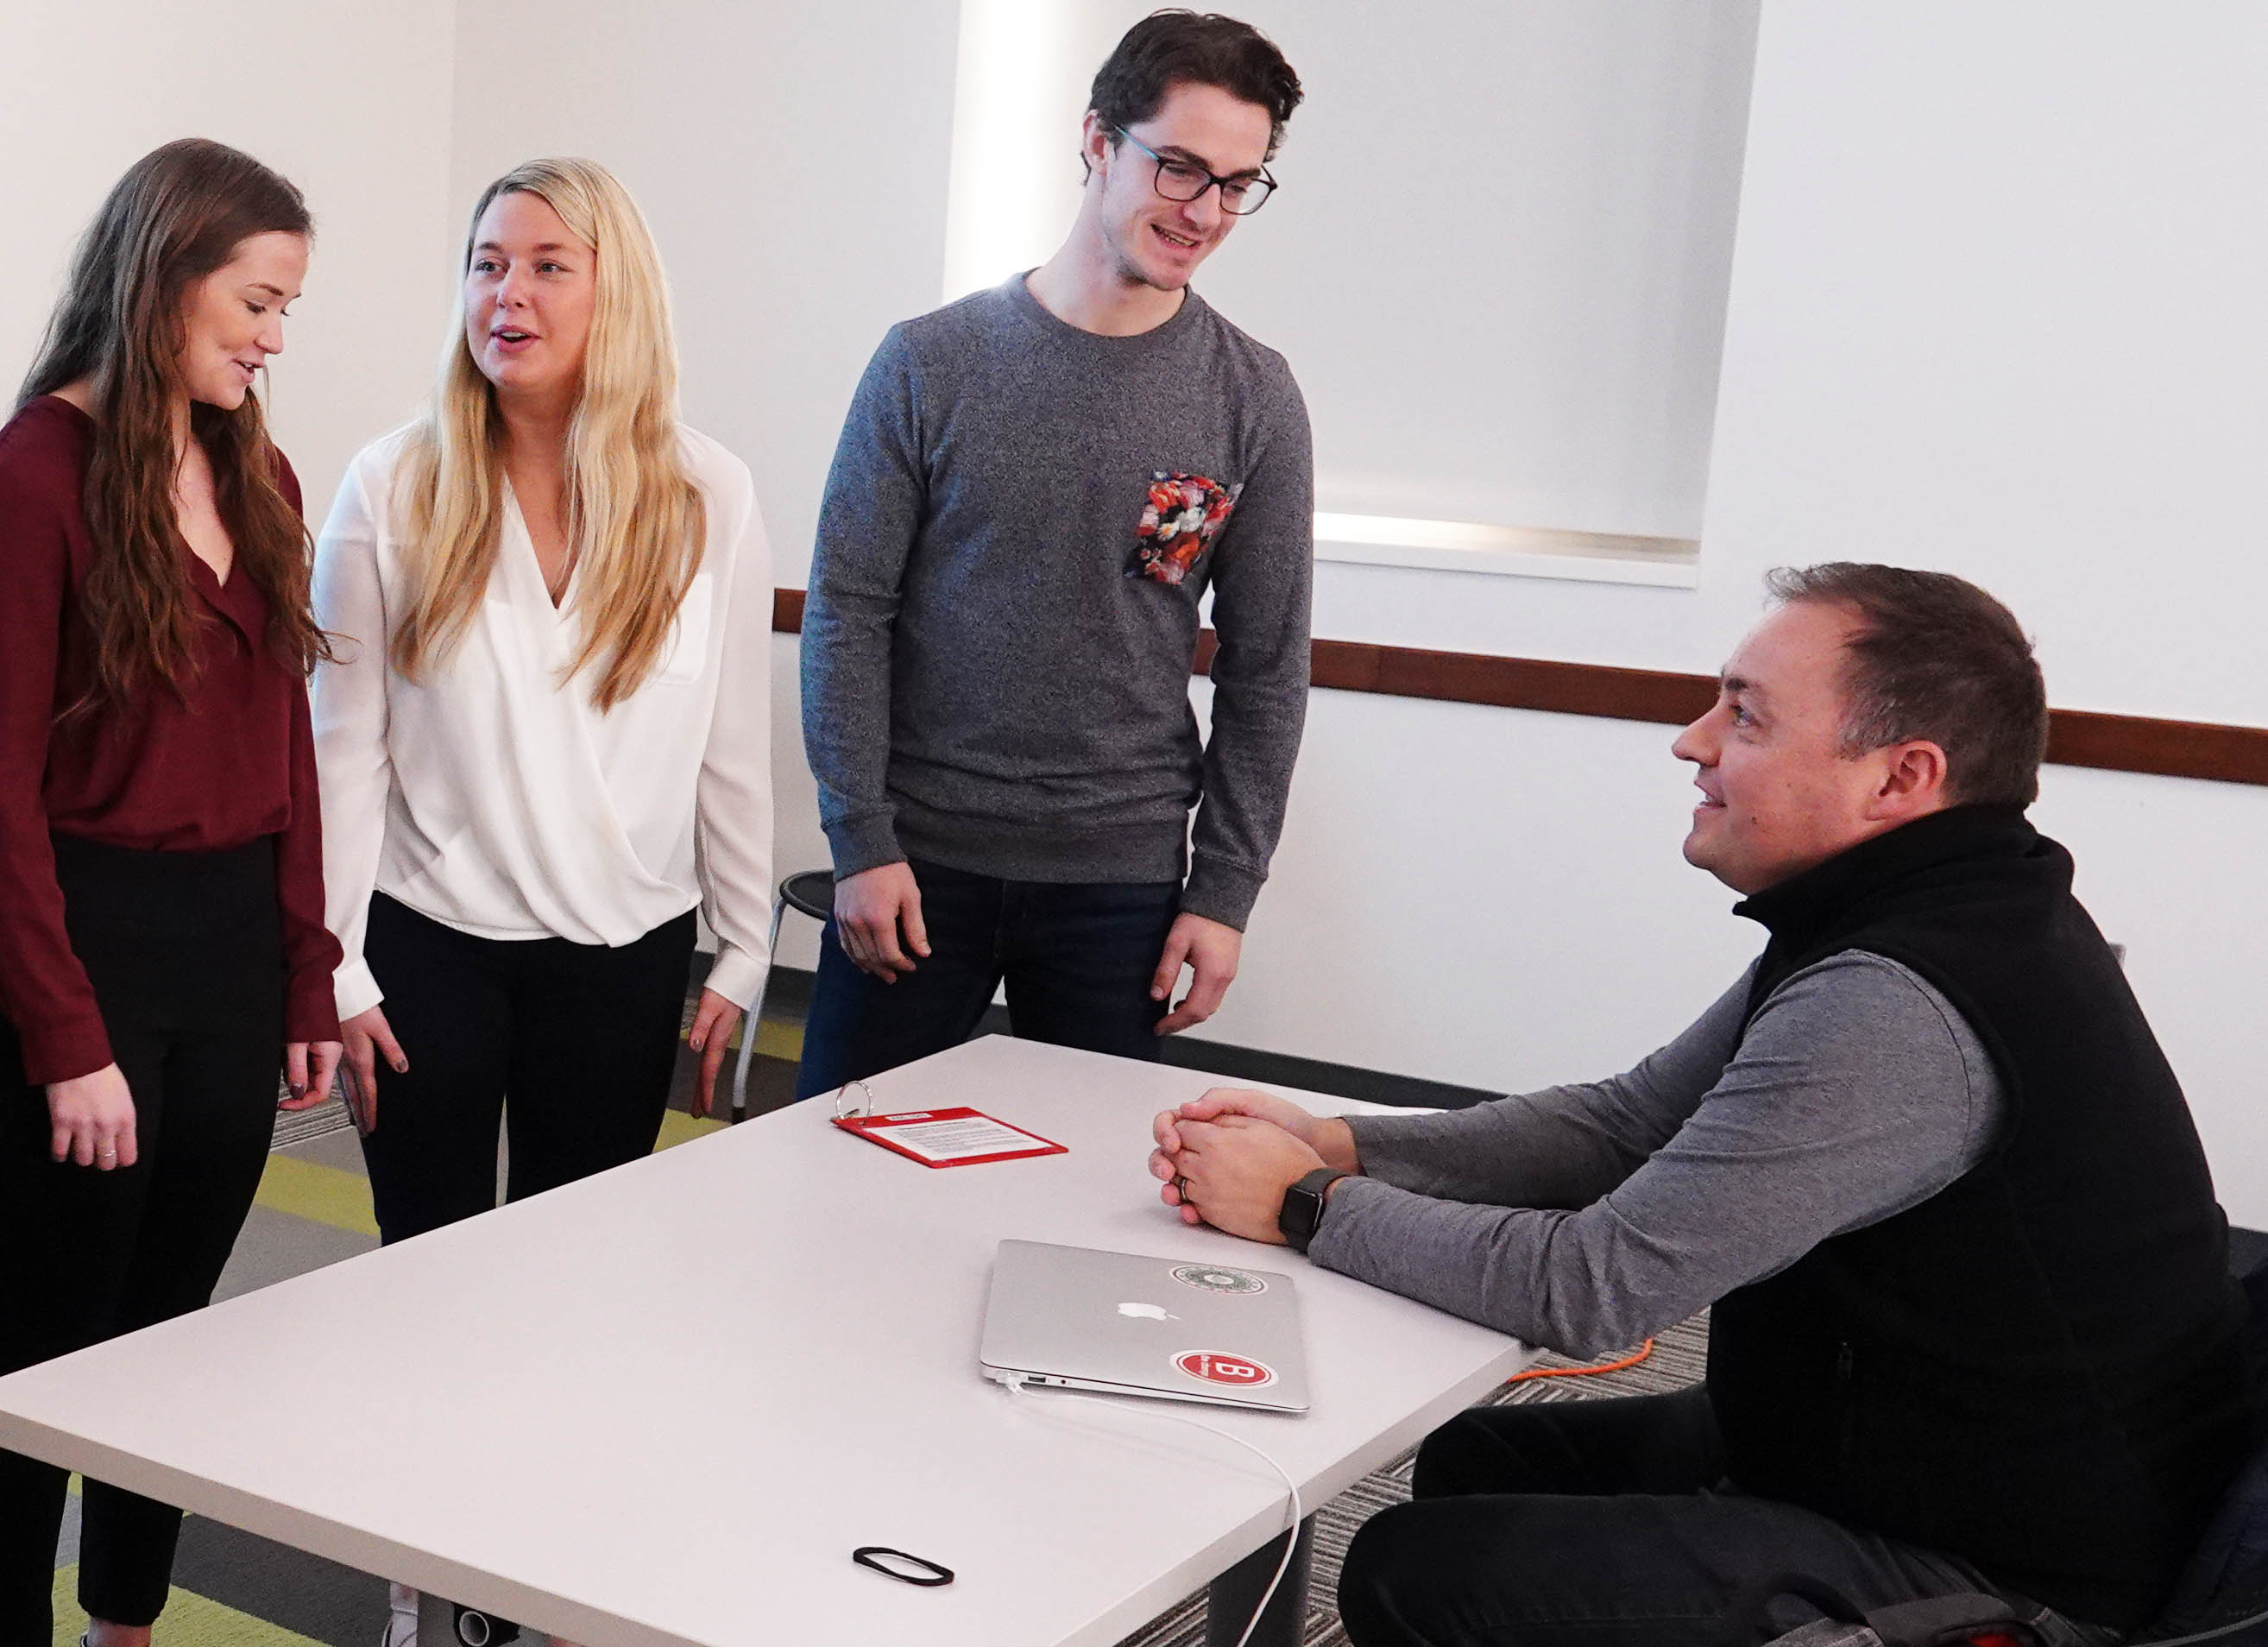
[1302,1210]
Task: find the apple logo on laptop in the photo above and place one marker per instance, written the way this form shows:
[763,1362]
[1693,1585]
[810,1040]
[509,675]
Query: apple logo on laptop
[1146,1312]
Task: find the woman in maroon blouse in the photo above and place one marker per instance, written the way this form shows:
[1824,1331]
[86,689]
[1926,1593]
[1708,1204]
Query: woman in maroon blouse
[162,947]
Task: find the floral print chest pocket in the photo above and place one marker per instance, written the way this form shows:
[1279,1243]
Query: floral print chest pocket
[1181,516]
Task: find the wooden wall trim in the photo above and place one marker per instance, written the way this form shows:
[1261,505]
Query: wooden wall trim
[2076,737]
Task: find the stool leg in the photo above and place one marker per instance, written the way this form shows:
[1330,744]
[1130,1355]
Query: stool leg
[754,1015]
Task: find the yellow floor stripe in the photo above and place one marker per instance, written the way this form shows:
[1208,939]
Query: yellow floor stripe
[306,1189]
[189,1620]
[678,1127]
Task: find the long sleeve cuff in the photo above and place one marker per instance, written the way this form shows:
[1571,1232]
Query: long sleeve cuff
[738,975]
[61,1049]
[354,988]
[1220,891]
[864,843]
[310,1012]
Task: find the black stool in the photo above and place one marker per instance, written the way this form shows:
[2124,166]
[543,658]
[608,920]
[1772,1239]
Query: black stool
[810,893]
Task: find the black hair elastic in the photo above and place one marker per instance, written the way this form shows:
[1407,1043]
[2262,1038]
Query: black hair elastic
[864,1555]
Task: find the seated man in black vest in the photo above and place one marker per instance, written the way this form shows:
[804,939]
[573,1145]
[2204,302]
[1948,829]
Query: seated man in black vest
[1972,1327]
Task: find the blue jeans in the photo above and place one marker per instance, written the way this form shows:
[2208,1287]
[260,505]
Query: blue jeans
[1077,957]
[1608,1524]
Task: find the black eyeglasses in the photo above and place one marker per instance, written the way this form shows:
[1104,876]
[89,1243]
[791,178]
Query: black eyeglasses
[1186,180]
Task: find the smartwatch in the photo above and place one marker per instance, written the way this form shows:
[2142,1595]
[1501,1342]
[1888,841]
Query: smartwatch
[1303,1206]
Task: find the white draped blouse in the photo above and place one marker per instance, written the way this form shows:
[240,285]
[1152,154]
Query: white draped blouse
[500,800]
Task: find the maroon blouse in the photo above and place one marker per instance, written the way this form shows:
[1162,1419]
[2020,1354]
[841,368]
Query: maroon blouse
[228,760]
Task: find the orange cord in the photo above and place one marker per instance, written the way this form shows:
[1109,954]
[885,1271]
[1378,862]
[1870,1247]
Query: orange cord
[1630,1360]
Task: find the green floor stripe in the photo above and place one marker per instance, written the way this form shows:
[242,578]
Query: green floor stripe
[188,1621]
[306,1189]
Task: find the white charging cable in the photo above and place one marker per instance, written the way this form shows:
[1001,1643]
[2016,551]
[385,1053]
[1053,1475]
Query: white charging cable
[1016,1386]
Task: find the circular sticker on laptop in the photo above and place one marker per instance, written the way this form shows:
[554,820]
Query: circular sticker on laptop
[1206,1278]
[1240,1371]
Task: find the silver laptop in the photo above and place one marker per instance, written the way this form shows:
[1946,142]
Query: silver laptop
[1075,1318]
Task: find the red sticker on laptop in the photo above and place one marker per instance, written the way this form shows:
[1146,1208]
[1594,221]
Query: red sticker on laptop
[1241,1371]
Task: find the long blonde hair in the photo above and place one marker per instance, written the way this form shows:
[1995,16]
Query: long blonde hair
[636,520]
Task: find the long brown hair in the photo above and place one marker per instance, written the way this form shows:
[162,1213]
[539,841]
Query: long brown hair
[177,215]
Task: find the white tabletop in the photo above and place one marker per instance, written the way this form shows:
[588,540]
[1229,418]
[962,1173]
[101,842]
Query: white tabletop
[662,1406]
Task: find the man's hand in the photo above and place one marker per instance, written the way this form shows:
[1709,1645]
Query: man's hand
[871,907]
[1210,951]
[1232,1173]
[711,1035]
[91,1119]
[1326,1134]
[366,1035]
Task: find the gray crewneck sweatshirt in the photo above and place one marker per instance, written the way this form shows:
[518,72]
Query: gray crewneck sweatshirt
[1584,1218]
[1019,521]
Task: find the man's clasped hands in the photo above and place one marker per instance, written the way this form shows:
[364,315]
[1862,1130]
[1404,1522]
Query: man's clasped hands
[1226,1159]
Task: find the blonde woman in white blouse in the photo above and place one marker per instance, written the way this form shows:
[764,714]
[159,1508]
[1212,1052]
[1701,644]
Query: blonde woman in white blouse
[546,741]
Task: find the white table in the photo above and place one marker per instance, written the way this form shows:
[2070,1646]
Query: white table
[662,1406]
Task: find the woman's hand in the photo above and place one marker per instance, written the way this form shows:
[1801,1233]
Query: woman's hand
[91,1119]
[711,1036]
[366,1035]
[308,1067]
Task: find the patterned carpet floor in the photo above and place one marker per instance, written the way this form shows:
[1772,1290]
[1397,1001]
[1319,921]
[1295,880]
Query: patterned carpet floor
[1678,1359]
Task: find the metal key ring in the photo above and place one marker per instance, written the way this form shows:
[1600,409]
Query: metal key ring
[864,1107]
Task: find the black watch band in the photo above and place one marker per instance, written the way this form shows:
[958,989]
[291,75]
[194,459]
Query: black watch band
[1303,1206]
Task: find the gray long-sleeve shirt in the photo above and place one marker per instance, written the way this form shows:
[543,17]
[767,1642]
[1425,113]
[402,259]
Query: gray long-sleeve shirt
[1584,1218]
[995,649]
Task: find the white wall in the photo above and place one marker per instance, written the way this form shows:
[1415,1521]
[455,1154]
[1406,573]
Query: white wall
[1994,310]
[350,102]
[1498,259]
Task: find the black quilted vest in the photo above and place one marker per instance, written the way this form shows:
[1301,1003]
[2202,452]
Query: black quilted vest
[2042,1368]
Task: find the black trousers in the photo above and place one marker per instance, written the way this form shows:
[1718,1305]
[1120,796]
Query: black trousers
[185,950]
[569,1046]
[1608,1523]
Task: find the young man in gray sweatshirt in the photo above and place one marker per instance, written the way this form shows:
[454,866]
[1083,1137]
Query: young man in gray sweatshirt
[1033,488]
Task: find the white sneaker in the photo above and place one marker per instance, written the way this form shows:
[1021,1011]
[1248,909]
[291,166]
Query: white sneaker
[401,1619]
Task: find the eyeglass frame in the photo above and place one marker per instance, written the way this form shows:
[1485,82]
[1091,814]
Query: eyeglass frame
[1213,180]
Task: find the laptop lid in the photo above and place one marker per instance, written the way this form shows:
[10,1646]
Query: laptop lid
[1075,1318]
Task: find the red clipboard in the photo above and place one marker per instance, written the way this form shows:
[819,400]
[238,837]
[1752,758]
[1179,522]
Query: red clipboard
[929,1136]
